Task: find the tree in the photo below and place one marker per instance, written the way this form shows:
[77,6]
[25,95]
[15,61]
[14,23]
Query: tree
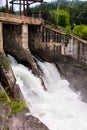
[11,11]
[62,20]
[2,9]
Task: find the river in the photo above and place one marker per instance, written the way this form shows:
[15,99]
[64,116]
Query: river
[59,108]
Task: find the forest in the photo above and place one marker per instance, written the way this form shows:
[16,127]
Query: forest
[71,15]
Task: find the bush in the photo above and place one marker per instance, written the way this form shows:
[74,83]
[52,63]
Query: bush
[81,31]
[17,106]
[64,19]
[3,96]
[60,18]
[84,33]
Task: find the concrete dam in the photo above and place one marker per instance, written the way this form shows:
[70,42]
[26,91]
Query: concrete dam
[23,36]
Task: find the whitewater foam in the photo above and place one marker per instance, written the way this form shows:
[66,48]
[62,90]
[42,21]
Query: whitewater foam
[60,108]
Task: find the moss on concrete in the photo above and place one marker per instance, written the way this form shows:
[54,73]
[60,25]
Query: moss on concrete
[5,63]
[81,66]
[15,106]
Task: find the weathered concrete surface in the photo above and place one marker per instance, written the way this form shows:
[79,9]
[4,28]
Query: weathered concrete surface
[51,43]
[16,44]
[1,37]
[7,77]
[10,18]
[70,56]
[43,43]
[6,74]
[76,74]
[77,49]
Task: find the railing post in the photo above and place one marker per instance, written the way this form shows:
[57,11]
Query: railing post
[25,36]
[20,7]
[6,6]
[39,14]
[1,37]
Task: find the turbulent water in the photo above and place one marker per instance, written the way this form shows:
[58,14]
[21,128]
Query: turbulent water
[60,108]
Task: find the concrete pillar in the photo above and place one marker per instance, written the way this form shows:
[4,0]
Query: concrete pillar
[25,37]
[1,37]
[43,34]
[62,48]
[75,48]
[38,35]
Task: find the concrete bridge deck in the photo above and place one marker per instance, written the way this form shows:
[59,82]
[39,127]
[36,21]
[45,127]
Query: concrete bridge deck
[11,18]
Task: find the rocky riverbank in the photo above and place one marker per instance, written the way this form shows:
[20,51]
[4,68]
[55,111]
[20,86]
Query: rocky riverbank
[19,120]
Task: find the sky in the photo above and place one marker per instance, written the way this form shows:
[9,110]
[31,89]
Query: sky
[2,2]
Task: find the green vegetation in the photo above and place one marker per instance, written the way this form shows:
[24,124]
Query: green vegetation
[77,10]
[67,32]
[64,19]
[5,63]
[10,10]
[60,18]
[4,97]
[16,106]
[2,9]
[81,31]
[71,14]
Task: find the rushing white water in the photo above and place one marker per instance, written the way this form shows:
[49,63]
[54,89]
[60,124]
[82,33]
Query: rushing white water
[59,108]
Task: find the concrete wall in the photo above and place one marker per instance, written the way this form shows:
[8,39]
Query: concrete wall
[12,35]
[46,43]
[51,45]
[77,48]
[7,77]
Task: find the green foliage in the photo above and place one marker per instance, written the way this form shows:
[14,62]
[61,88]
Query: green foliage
[5,63]
[17,106]
[78,30]
[10,10]
[54,16]
[81,31]
[3,96]
[64,19]
[67,32]
[60,18]
[2,9]
[77,10]
[84,33]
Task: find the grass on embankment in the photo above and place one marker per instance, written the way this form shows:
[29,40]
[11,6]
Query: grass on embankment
[16,106]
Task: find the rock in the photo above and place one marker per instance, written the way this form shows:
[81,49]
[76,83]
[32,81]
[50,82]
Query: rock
[22,122]
[18,121]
